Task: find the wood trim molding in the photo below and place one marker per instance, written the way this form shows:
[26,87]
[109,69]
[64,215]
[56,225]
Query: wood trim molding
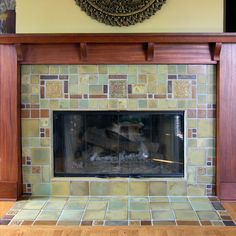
[165,38]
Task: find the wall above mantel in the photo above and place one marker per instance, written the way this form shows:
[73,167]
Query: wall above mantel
[64,16]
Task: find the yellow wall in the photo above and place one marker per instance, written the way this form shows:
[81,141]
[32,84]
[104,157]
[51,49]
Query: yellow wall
[64,16]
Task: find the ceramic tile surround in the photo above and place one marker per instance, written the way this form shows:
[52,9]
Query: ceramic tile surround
[107,211]
[118,87]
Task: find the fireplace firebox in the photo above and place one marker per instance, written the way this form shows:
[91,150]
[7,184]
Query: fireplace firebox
[118,143]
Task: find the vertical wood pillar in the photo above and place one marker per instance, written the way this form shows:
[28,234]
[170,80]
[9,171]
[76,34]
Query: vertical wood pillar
[226,124]
[9,124]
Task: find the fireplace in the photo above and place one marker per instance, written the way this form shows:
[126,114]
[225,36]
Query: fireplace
[46,88]
[118,143]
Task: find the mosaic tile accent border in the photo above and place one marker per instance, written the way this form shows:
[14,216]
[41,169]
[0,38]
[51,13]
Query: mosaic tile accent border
[118,87]
[117,211]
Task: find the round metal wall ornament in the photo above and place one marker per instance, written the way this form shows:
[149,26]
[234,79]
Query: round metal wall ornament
[120,12]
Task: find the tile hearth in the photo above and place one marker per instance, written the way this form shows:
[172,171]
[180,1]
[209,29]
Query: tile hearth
[109,211]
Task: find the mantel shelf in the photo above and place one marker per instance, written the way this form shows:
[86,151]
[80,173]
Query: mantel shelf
[164,38]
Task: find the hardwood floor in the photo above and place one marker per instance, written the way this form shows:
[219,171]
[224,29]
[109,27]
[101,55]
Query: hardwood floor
[120,231]
[116,231]
[4,208]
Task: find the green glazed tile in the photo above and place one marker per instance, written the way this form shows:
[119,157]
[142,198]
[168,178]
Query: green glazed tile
[33,178]
[88,69]
[142,104]
[159,199]
[102,69]
[93,80]
[73,80]
[46,173]
[73,69]
[99,188]
[116,204]
[118,188]
[139,215]
[54,89]
[94,215]
[40,156]
[117,215]
[97,205]
[48,215]
[79,204]
[83,104]
[132,69]
[136,205]
[181,206]
[152,84]
[41,189]
[172,69]
[147,69]
[162,215]
[196,69]
[202,206]
[208,215]
[39,69]
[158,188]
[71,215]
[206,179]
[138,188]
[54,104]
[160,206]
[195,190]
[30,127]
[34,204]
[118,69]
[26,215]
[203,199]
[206,128]
[139,89]
[162,69]
[25,88]
[60,188]
[73,89]
[186,215]
[177,188]
[103,79]
[54,69]
[196,157]
[45,142]
[64,69]
[25,69]
[132,79]
[56,204]
[34,99]
[178,199]
[182,89]
[79,188]
[182,69]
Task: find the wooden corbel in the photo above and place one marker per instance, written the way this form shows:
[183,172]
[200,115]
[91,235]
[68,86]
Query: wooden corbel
[83,51]
[215,52]
[150,51]
[20,50]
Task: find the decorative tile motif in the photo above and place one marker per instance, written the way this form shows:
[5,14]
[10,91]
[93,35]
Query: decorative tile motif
[121,87]
[118,89]
[114,211]
[54,89]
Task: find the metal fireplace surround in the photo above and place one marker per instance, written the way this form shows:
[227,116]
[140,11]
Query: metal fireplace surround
[16,50]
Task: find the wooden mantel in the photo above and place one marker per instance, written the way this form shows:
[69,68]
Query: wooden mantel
[219,49]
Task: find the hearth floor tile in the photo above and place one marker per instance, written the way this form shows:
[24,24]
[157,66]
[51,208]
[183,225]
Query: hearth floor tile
[163,215]
[119,210]
[116,215]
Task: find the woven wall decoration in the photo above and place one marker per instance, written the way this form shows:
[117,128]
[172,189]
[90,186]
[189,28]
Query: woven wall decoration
[120,12]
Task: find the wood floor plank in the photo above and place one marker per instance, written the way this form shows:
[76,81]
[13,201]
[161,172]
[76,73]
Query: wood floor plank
[116,231]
